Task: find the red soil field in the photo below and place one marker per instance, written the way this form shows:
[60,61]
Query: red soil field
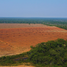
[18,40]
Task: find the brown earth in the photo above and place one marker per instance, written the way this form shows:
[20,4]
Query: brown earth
[16,25]
[16,40]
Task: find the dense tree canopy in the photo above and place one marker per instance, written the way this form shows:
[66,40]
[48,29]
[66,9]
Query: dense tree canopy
[50,53]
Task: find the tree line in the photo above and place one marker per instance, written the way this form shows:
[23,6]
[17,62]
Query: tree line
[59,22]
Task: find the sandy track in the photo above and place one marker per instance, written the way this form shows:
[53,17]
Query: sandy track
[18,40]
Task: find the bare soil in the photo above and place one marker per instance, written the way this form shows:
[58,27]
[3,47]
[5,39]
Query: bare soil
[17,38]
[16,25]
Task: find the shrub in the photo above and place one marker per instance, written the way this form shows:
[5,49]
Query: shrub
[49,53]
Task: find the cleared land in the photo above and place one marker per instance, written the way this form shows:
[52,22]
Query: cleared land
[16,25]
[17,38]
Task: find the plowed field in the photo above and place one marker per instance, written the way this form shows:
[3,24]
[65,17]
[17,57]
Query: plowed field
[18,40]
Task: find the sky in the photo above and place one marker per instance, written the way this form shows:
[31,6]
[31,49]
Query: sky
[33,8]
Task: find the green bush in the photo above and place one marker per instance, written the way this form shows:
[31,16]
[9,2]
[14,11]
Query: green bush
[49,53]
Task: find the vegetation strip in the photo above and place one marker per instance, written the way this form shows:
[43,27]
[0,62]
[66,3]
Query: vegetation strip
[59,22]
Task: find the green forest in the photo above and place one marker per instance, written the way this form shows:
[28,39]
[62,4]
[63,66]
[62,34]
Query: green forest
[59,22]
[49,54]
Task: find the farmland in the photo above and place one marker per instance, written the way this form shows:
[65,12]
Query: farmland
[17,38]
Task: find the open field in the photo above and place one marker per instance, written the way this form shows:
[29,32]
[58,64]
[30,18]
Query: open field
[17,25]
[17,38]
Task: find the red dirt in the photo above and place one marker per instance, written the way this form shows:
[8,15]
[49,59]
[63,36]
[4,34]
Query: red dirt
[19,40]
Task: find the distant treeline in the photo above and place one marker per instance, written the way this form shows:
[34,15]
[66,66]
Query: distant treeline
[59,22]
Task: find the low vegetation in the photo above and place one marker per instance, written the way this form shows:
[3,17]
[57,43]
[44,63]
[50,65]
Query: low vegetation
[51,53]
[57,24]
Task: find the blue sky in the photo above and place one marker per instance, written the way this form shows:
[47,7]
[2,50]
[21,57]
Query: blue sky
[33,8]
